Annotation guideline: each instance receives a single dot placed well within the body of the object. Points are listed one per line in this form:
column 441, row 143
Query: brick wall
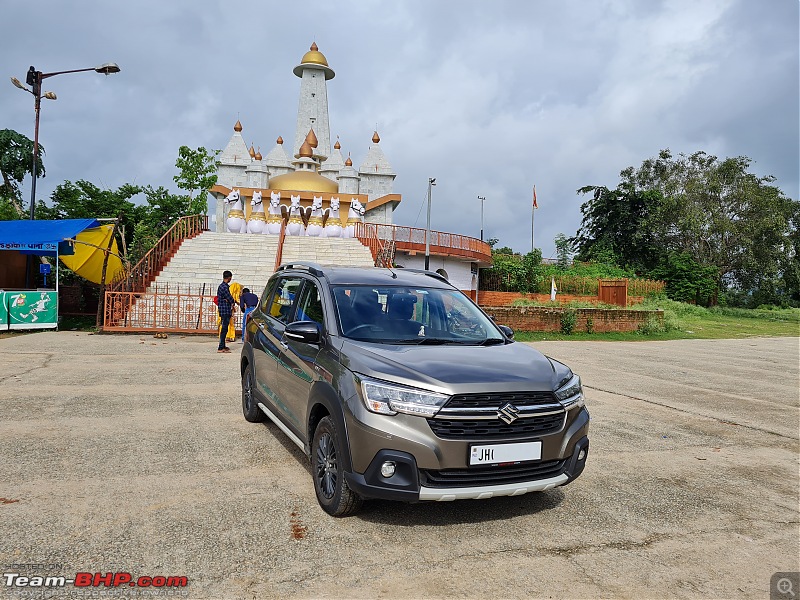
column 540, row 318
column 507, row 298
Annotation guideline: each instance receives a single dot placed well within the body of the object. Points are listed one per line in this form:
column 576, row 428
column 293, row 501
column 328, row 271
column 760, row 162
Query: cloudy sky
column 489, row 98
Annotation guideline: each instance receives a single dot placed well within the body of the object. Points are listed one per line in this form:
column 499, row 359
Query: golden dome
column 311, row 138
column 238, row 126
column 314, row 57
column 303, row 181
column 376, row 138
column 252, row 151
column 305, row 150
column 279, row 140
column 258, row 154
column 349, row 161
column 337, row 145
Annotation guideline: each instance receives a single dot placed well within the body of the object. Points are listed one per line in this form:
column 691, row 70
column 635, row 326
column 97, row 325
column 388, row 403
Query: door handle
column 284, row 345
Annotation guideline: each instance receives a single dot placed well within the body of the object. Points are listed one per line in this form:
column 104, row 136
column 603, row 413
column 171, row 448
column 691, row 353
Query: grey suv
column 398, row 386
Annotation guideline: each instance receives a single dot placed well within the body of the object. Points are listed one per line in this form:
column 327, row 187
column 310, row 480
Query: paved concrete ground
column 126, row 453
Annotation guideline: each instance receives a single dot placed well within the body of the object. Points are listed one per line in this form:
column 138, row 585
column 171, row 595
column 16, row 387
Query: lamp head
column 108, row 68
column 50, row 95
column 18, row 83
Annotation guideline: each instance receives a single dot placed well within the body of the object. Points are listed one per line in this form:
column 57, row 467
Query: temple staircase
column 251, row 258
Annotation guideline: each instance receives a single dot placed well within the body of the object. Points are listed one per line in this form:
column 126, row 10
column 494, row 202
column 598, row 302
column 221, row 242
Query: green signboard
column 3, row 310
column 32, row 309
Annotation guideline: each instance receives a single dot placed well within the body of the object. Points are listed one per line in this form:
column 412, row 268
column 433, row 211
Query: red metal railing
column 151, row 264
column 412, row 239
column 281, row 239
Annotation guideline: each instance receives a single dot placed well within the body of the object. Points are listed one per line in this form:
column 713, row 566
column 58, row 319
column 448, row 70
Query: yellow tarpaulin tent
column 89, row 253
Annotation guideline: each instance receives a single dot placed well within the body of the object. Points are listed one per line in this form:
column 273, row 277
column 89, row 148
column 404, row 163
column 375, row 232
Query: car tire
column 333, row 494
column 250, row 409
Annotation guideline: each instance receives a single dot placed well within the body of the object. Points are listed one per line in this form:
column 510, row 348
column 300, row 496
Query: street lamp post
column 431, row 183
column 481, row 198
column 34, row 79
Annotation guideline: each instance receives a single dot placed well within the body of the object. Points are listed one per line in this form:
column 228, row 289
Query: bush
column 651, row 326
column 568, row 320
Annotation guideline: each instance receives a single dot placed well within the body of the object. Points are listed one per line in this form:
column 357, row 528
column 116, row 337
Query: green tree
column 563, row 251
column 716, row 211
column 198, row 170
column 16, row 162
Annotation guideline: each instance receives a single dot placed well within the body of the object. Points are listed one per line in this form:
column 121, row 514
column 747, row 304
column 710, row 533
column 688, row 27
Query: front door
column 275, row 312
column 296, row 367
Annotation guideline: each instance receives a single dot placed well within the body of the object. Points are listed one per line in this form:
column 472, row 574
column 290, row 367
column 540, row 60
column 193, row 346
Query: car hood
column 457, row 369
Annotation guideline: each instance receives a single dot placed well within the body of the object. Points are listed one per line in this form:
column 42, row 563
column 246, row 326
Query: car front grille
column 483, row 476
column 518, row 399
column 482, row 429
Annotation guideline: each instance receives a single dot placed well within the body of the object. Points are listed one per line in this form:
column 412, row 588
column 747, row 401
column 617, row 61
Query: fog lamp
column 388, row 468
column 582, row 454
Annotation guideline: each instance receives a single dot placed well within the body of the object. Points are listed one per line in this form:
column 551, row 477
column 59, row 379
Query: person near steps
column 225, row 303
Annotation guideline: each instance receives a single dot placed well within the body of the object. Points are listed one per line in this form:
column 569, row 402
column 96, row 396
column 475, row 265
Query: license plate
column 500, row 453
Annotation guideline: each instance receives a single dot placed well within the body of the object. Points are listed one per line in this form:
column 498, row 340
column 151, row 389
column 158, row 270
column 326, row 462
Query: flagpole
column 533, row 215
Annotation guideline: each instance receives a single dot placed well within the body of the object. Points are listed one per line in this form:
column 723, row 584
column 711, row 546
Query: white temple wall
column 459, row 273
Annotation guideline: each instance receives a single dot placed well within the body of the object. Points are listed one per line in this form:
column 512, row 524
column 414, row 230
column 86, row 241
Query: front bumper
column 427, row 468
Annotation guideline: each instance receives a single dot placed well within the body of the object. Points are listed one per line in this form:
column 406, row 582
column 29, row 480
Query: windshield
column 411, row 315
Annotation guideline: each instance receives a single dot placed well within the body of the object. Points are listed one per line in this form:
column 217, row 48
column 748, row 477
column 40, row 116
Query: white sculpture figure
column 275, row 217
column 333, row 222
column 295, row 225
column 257, row 221
column 235, row 222
column 315, row 221
column 354, row 215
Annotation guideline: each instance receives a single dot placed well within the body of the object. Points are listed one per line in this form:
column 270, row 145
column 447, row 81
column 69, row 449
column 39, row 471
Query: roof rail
column 303, row 265
column 433, row 274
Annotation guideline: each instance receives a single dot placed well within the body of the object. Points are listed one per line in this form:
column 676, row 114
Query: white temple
column 313, row 167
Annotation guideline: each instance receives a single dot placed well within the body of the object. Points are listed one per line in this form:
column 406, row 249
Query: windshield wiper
column 421, row 341
column 492, row 341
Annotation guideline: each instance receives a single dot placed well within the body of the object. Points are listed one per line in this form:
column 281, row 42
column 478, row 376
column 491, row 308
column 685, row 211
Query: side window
column 282, row 301
column 267, row 295
column 309, row 306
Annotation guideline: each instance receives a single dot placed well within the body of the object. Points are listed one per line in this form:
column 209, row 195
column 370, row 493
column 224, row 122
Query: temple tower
column 312, row 111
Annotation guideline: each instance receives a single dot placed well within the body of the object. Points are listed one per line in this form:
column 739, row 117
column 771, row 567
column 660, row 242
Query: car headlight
column 389, row 399
column 570, row 395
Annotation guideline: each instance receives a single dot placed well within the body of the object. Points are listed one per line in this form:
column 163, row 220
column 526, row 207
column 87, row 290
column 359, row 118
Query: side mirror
column 507, row 331
column 308, row 332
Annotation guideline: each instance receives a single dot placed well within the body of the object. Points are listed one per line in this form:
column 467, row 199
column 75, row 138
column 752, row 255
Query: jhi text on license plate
column 499, row 453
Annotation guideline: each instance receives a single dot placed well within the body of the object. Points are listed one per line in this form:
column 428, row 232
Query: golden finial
column 348, row 162
column 305, row 150
column 258, row 153
column 238, row 127
column 314, row 47
column 252, row 151
column 279, row 140
column 311, row 138
column 337, row 145
column 376, row 138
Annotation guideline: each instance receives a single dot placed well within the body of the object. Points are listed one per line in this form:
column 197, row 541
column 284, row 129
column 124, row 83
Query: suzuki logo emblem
column 508, row 413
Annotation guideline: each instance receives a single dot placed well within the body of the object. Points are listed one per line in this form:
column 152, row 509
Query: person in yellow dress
column 236, row 292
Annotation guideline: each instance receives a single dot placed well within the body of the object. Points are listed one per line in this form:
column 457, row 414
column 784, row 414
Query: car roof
column 377, row 276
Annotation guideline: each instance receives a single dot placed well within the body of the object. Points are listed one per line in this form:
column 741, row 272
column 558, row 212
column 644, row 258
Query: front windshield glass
column 411, row 315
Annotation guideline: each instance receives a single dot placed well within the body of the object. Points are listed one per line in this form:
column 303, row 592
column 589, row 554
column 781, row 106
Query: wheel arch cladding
column 323, row 402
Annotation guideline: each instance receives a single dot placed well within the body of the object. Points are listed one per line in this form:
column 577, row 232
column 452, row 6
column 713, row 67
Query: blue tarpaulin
column 43, row 238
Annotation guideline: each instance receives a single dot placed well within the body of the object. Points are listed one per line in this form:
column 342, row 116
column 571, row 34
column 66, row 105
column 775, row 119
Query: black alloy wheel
column 250, row 409
column 334, row 495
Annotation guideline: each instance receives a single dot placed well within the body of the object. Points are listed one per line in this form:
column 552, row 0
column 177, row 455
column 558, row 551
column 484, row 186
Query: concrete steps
column 251, row 258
